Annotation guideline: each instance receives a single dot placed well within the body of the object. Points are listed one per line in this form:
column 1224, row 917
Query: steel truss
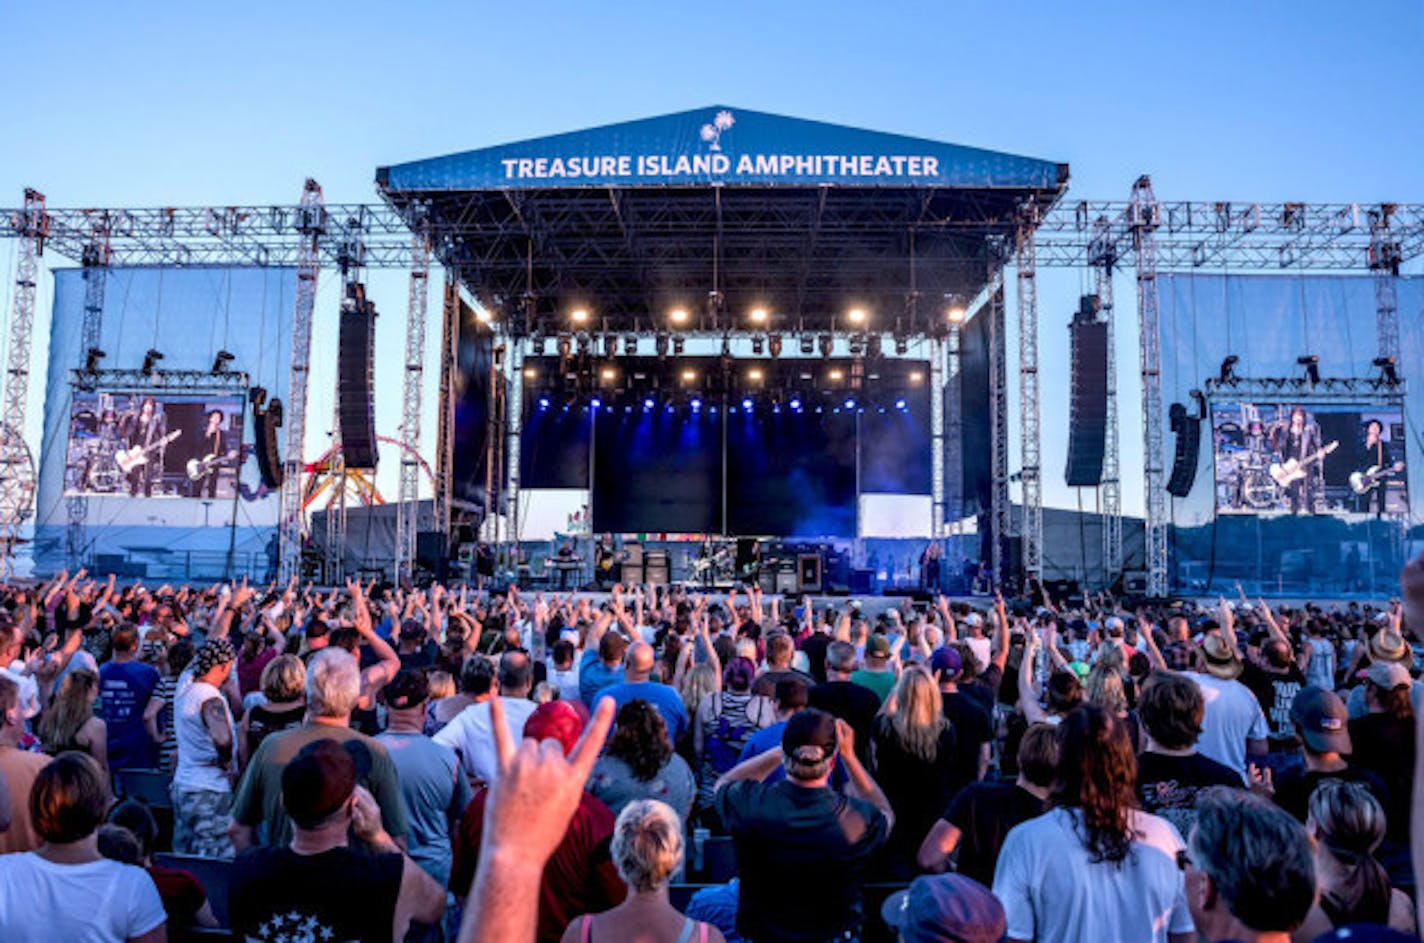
column 95, row 258
column 17, row 471
column 408, row 493
column 1104, row 260
column 1031, row 531
column 1001, row 524
column 309, row 221
column 1146, row 216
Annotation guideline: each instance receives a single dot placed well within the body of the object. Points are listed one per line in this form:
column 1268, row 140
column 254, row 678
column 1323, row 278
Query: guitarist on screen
column 1373, row 467
column 144, row 429
column 1299, row 439
column 216, row 453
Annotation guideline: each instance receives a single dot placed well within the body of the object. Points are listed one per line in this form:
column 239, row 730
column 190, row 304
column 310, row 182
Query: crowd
column 380, row 763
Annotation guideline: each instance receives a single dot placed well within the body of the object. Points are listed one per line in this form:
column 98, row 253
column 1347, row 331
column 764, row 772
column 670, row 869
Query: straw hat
column 1222, row 660
column 1388, row 645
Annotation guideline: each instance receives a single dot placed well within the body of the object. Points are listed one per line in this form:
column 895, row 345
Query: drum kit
column 1244, row 480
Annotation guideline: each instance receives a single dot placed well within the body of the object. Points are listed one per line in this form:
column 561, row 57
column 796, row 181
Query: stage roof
column 719, row 210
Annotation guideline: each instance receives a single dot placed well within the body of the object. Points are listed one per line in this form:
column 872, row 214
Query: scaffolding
column 17, row 469
column 1103, row 256
column 413, row 382
column 1031, row 530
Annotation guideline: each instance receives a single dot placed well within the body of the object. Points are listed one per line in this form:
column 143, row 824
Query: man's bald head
column 641, row 659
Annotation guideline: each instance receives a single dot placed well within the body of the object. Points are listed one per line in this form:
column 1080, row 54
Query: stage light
column 902, row 345
column 579, row 316
column 827, row 342
column 150, row 361
column 747, row 403
column 916, row 376
column 221, row 360
column 595, row 402
column 1389, row 376
column 773, row 343
column 678, row 316
column 679, row 344
column 630, row 345
column 1228, row 369
column 758, row 345
column 543, row 402
column 91, row 360
column 648, row 404
column 819, row 410
column 696, row 404
column 530, row 373
column 850, row 403
column 689, row 376
column 755, row 375
column 955, row 314
column 836, row 376
column 608, row 374
column 856, row 316
column 483, row 315
column 1311, row 363
column 808, row 345
column 795, row 404
column 901, row 405
column 757, row 316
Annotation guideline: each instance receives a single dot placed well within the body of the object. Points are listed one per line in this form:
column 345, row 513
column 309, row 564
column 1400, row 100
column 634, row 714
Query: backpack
column 724, row 744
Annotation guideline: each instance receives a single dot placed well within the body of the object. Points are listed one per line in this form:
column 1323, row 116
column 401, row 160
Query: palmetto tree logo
column 712, row 133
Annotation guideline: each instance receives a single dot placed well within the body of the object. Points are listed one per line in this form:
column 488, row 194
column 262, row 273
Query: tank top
column 689, row 927
column 198, row 769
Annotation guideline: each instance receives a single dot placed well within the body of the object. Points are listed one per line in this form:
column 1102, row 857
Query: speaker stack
column 1184, row 461
column 355, row 403
column 1088, row 397
column 266, row 420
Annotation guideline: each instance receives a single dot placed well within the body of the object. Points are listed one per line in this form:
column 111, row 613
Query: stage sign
column 163, row 445
column 1288, row 458
column 723, row 145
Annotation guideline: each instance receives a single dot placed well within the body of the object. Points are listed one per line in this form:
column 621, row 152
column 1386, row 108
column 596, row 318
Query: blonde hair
column 442, row 685
column 70, row 710
column 284, row 679
column 700, row 681
column 647, row 844
column 1105, row 688
column 916, row 713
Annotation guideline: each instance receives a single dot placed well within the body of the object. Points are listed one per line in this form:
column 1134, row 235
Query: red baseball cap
column 555, row 720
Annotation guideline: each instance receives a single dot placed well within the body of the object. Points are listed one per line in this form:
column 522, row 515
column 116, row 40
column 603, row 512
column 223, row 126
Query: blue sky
column 170, row 104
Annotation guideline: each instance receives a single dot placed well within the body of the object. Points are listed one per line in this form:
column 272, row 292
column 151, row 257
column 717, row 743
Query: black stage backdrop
column 791, row 474
column 657, row 471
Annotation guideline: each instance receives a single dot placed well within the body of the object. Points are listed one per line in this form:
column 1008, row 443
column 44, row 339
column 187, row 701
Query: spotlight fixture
column 543, row 402
column 755, row 375
column 150, row 361
column 1228, row 369
column 1311, row 363
column 608, row 374
column 902, row 345
column 856, row 344
column 696, row 404
column 850, row 403
column 678, row 316
column 648, row 404
column 758, row 345
column 758, row 316
column 773, row 344
column 689, row 376
column 530, row 373
column 679, row 344
column 836, row 375
column 483, row 315
column 901, row 405
column 795, row 404
column 630, row 345
column 827, row 343
column 954, row 310
column 1389, row 376
column 747, row 403
column 579, row 316
column 595, row 402
column 221, row 360
column 585, row 344
column 856, row 316
column 92, row 358
column 808, row 345
column 916, row 376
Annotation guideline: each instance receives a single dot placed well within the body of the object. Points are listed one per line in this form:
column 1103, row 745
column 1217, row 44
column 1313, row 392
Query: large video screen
column 1287, row 458
column 153, row 445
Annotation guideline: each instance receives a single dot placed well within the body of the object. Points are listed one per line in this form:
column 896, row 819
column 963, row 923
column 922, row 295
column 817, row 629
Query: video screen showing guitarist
column 217, row 456
column 1298, row 440
column 1374, row 466
column 144, row 430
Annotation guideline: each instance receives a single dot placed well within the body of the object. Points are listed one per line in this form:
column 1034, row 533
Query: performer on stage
column 215, row 456
column 930, row 566
column 1374, row 455
column 1299, row 439
column 144, row 429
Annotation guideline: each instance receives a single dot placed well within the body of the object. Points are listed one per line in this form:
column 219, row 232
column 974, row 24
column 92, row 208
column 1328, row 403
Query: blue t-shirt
column 435, row 794
column 662, row 696
column 594, row 676
column 769, row 737
column 124, row 691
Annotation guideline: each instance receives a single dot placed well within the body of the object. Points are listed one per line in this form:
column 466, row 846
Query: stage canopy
column 720, row 210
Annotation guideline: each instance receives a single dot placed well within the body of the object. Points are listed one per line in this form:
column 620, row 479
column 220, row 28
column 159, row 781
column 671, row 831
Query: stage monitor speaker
column 808, row 572
column 1087, row 403
column 266, row 420
column 656, row 568
column 1184, row 460
column 633, row 574
column 355, row 403
column 787, row 583
column 766, row 579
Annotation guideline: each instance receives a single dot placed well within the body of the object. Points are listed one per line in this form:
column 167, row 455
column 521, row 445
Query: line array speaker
column 1088, row 403
column 355, row 403
column 266, row 420
column 1184, row 459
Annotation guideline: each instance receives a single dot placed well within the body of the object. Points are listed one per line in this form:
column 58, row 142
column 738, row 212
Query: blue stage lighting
column 543, row 402
column 648, row 403
column 627, row 409
column 796, row 404
column 747, row 404
column 696, row 404
column 595, row 402
column 850, row 404
column 901, row 405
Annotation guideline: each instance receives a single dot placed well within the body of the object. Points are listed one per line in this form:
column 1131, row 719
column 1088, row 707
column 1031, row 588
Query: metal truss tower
column 937, row 432
column 1103, row 257
column 1384, row 259
column 351, row 260
column 1031, row 531
column 96, row 258
column 1000, row 509
column 310, row 222
column 408, row 493
column 17, row 478
column 445, row 423
column 1143, row 219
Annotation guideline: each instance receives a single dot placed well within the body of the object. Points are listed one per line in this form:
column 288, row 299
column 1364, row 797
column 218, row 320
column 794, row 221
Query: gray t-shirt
column 612, row 781
column 434, row 794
